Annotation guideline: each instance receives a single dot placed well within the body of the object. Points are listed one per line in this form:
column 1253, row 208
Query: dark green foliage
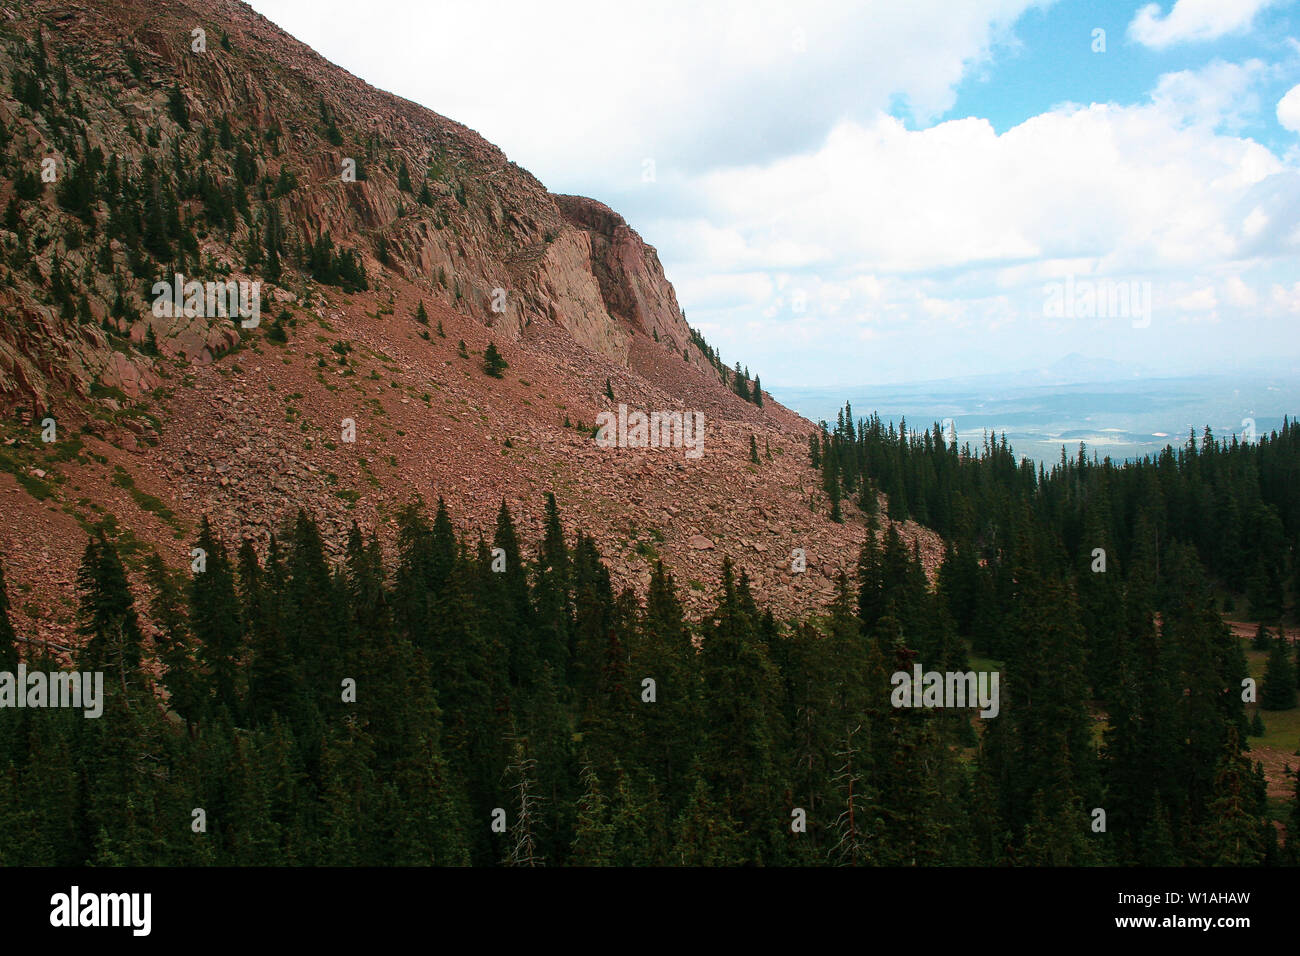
column 286, row 182
column 1263, row 639
column 493, row 363
column 28, row 186
column 336, row 267
column 1278, row 690
column 76, row 193
column 8, row 641
column 616, row 734
column 177, row 107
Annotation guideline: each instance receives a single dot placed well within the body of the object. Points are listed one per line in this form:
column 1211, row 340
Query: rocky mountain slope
column 135, row 147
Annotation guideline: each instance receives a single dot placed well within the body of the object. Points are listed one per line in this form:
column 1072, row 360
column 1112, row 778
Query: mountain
column 145, row 140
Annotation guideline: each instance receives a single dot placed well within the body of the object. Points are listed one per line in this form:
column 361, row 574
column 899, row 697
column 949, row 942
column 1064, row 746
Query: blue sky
column 1051, row 61
column 865, row 192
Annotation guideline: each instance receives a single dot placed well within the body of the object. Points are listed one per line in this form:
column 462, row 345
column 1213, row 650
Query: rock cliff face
column 230, row 163
column 632, row 281
column 486, row 238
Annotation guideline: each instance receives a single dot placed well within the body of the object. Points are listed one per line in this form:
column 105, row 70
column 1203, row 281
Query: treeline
column 1237, row 504
column 738, row 380
column 390, row 711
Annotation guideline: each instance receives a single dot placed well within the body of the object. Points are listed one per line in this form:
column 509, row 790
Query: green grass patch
column 145, row 501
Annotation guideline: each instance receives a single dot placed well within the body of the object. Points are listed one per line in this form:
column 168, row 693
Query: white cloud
column 780, row 171
column 947, row 235
column 1132, row 184
column 1288, row 109
column 581, row 92
column 1218, row 94
column 1238, row 293
column 1193, row 20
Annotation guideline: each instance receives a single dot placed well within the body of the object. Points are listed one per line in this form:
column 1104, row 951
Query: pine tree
column 593, row 839
column 173, row 641
column 107, row 617
column 1234, row 834
column 741, row 711
column 1293, row 825
column 753, row 449
column 1278, row 690
column 8, row 639
column 215, row 622
column 740, row 385
column 552, row 583
column 671, row 726
column 706, row 833
column 1263, row 640
column 422, row 316
column 177, row 107
column 510, row 601
column 493, row 363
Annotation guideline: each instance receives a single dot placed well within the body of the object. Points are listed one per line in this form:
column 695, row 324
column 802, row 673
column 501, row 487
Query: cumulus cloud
column 1218, row 94
column 581, row 92
column 1132, row 184
column 1193, row 20
column 1288, row 109
column 805, row 197
column 955, row 229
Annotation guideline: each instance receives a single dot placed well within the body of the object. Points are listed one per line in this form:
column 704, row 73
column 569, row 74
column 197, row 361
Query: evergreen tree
column 8, row 639
column 593, row 839
column 107, row 617
column 1263, row 640
column 493, row 363
column 741, row 711
column 177, row 107
column 1234, row 834
column 1278, row 690
column 215, row 622
column 706, row 834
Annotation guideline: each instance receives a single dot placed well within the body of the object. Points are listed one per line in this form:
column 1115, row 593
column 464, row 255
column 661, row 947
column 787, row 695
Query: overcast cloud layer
column 829, row 213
